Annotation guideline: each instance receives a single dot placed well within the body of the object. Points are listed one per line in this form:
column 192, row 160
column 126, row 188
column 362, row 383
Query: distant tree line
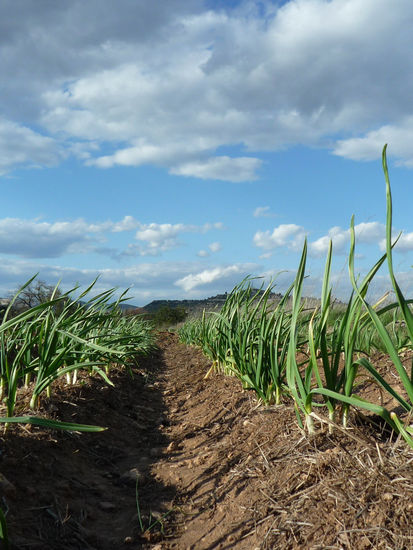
column 167, row 315
column 37, row 292
column 163, row 316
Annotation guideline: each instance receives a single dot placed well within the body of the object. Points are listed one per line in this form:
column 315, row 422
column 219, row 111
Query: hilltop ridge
column 213, row 302
column 193, row 306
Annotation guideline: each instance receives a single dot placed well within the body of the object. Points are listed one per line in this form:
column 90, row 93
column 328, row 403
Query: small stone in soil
column 155, row 451
column 133, row 475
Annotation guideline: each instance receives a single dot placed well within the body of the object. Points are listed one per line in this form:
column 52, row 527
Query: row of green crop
column 314, row 356
column 66, row 334
column 58, row 338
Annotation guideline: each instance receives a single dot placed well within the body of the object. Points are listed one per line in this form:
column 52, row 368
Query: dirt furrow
column 246, row 477
column 188, row 463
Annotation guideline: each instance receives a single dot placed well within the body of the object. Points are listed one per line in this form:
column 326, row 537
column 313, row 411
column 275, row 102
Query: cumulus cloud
column 287, row 235
column 173, row 86
column 404, row 242
column 158, row 238
column 224, row 275
column 21, row 146
column 366, row 233
column 41, row 239
column 291, row 236
column 370, row 146
column 161, row 237
column 36, row 239
column 129, row 223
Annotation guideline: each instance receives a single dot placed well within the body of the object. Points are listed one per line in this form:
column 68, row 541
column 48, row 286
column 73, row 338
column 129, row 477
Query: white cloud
column 404, row 244
column 365, row 233
column 158, row 238
column 147, row 281
column 263, row 212
column 220, row 168
column 139, row 154
column 285, row 235
column 266, row 255
column 222, row 274
column 208, row 226
column 369, row 232
column 37, row 239
column 41, row 239
column 129, row 223
column 370, row 146
column 152, row 280
column 291, row 236
column 215, row 247
column 161, row 237
column 21, row 146
column 172, row 86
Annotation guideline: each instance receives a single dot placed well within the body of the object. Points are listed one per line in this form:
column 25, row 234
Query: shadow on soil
column 90, row 491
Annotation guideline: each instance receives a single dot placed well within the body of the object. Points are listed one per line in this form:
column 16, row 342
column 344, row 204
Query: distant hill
column 128, row 307
column 195, row 307
column 214, row 303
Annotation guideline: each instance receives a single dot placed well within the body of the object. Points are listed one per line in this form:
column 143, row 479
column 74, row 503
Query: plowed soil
column 195, row 463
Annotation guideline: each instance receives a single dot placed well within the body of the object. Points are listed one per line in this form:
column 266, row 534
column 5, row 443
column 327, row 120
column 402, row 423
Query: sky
column 176, row 147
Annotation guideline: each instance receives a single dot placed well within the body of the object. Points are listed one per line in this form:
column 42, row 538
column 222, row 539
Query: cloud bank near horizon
column 30, row 246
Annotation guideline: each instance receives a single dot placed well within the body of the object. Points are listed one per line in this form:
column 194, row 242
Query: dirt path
column 189, row 463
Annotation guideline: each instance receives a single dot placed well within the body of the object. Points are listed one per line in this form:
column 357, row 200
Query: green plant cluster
column 46, row 334
column 168, row 316
column 314, row 357
column 45, row 342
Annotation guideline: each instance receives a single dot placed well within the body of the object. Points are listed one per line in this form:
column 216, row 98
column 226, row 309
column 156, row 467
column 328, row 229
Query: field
column 264, row 425
column 214, row 469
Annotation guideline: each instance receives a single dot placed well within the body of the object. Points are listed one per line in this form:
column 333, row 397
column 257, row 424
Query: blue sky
column 175, row 150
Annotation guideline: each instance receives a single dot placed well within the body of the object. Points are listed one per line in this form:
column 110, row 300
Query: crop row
column 315, row 356
column 57, row 338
